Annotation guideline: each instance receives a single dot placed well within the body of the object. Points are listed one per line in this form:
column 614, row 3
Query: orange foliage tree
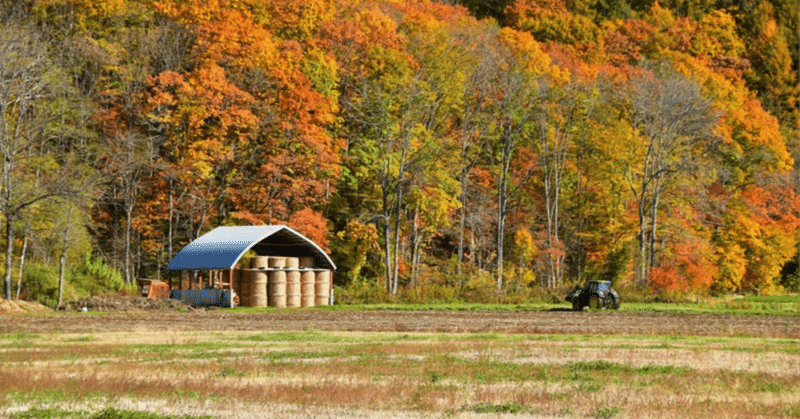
column 245, row 127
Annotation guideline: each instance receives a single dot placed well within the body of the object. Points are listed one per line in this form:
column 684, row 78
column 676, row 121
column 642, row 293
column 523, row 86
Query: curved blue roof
column 222, row 247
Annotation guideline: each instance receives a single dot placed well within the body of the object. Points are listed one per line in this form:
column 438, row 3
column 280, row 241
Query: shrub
column 93, row 277
column 40, row 284
column 430, row 293
column 361, row 292
column 96, row 277
column 480, row 288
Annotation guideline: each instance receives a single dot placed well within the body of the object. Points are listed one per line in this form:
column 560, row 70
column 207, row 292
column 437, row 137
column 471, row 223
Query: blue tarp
column 204, row 298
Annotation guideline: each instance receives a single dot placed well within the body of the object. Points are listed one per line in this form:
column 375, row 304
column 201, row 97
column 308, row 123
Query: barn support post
column 330, row 291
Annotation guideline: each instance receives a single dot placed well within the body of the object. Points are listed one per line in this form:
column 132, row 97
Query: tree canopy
column 468, row 148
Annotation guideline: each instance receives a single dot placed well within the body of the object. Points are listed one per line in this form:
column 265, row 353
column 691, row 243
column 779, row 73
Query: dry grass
column 352, row 374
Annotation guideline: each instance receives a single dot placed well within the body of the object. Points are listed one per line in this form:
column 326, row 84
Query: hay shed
column 285, row 269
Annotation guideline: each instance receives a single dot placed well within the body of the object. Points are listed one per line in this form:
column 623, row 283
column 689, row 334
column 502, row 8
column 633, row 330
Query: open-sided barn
column 255, row 266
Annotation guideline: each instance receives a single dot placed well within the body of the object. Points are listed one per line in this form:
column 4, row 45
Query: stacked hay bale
column 280, row 281
column 277, row 282
column 293, row 291
column 258, row 281
column 244, row 287
column 322, row 284
column 307, row 279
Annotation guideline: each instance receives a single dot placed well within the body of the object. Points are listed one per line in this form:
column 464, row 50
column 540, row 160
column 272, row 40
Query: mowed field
column 318, row 363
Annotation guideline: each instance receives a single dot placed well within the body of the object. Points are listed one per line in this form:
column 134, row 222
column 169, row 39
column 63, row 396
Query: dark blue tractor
column 594, row 294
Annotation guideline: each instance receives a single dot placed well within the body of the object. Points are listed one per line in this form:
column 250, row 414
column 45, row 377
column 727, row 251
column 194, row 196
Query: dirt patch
column 610, row 323
column 20, row 306
column 123, row 303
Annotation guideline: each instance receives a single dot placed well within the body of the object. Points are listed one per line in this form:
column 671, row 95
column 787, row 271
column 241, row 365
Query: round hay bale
column 236, row 281
column 306, row 262
column 307, row 279
column 277, row 289
column 292, row 263
column 322, row 284
column 277, row 262
column 293, row 289
column 245, row 286
column 259, row 262
column 258, row 289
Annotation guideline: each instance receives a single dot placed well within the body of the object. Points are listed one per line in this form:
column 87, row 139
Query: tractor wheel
column 595, row 303
column 615, row 303
column 610, row 302
column 576, row 305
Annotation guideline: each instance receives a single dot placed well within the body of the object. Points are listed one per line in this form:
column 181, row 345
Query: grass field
column 389, row 374
column 774, row 305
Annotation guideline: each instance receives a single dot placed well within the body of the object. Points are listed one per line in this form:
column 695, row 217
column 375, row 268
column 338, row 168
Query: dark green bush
column 93, row 277
column 40, row 283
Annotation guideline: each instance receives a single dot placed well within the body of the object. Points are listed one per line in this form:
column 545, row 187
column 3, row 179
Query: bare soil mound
column 123, row 303
column 20, row 306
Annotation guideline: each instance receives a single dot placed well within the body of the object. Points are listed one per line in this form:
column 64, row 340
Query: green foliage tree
column 40, row 118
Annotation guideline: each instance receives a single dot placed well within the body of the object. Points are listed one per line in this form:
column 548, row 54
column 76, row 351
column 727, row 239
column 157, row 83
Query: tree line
column 443, row 150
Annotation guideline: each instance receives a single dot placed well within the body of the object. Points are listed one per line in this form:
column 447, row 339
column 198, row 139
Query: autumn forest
column 439, row 150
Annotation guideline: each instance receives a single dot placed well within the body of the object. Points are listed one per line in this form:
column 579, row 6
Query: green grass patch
column 159, row 348
column 773, row 298
column 293, row 355
column 507, row 407
column 606, row 412
column 302, row 336
column 88, row 338
column 49, row 413
column 19, row 336
column 733, row 307
column 752, row 305
column 616, row 368
column 108, row 413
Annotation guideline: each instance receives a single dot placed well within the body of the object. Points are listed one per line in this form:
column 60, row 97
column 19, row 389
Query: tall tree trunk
column 501, row 219
column 653, row 226
column 461, row 227
column 62, row 262
column 169, row 224
column 549, row 225
column 128, row 227
column 387, row 258
column 22, row 264
column 466, row 137
column 9, row 257
column 642, row 262
column 387, row 234
column 415, row 246
column 397, row 253
column 7, row 212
